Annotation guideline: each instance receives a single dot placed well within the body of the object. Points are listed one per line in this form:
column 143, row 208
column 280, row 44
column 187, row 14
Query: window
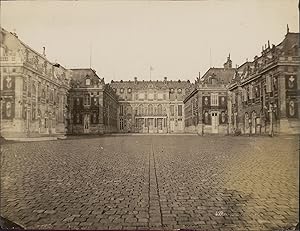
column 121, row 124
column 122, row 90
column 88, row 82
column 159, row 96
column 269, row 83
column 179, row 90
column 172, row 110
column 150, row 96
column 95, row 118
column 214, row 99
column 150, row 109
column 87, row 99
column 77, row 118
column 51, row 95
column 179, row 110
column 121, row 110
column 159, row 109
column 141, row 96
column 95, row 101
column 129, row 90
column 33, row 89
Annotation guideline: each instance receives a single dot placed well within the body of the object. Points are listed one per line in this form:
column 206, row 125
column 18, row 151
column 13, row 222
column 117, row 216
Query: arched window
column 33, row 89
column 140, row 109
column 246, row 120
column 150, row 109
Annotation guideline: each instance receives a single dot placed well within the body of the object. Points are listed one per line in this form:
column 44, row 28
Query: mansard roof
column 222, row 75
column 152, row 84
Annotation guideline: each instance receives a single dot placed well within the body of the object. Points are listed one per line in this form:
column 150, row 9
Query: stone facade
column 151, row 106
column 205, row 108
column 41, row 98
column 264, row 93
column 33, row 91
column 92, row 104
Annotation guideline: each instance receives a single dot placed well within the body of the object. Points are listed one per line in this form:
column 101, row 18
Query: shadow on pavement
column 7, row 224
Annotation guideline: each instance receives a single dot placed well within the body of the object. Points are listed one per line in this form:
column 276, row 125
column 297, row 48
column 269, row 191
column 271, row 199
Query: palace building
column 33, row 91
column 151, row 106
column 93, row 104
column 41, row 98
column 264, row 93
column 205, row 108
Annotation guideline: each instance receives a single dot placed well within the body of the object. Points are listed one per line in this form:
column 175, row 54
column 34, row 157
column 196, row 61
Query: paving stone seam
column 156, row 181
column 149, row 185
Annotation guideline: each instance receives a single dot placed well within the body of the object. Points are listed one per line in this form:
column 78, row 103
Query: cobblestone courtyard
column 156, row 182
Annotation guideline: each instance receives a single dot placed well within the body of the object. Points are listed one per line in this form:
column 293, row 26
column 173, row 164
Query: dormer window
column 87, row 82
column 129, row 90
column 179, row 90
column 122, row 90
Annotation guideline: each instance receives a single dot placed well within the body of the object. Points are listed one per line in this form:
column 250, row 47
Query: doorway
column 86, row 123
column 214, row 122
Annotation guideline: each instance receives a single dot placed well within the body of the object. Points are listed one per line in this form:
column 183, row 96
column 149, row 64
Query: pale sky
column 126, row 37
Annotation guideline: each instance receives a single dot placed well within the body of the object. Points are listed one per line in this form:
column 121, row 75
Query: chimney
column 199, row 75
column 135, row 79
column 44, row 51
column 165, row 79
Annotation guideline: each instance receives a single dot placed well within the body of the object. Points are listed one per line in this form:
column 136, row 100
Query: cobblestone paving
column 152, row 182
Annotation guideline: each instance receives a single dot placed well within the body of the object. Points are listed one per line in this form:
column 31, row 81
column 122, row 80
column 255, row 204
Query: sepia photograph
column 149, row 115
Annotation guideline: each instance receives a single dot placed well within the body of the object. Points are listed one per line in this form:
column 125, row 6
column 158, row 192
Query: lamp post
column 250, row 126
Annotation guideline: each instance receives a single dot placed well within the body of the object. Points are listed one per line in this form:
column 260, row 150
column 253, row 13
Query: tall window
column 150, row 109
column 87, row 99
column 179, row 110
column 172, row 110
column 87, row 82
column 121, row 124
column 159, row 109
column 214, row 99
column 269, row 83
column 121, row 110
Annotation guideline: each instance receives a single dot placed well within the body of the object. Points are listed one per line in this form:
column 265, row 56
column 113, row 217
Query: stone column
column 200, row 126
column 283, row 121
column 240, row 112
column 229, row 111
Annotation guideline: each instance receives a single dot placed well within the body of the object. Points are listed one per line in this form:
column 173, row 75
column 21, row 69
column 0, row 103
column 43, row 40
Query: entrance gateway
column 151, row 124
column 86, row 123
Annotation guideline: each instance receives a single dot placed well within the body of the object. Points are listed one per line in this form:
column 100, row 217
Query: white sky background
column 174, row 37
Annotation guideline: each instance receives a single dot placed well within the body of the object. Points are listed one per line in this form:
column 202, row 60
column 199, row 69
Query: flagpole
column 90, row 54
column 150, row 73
